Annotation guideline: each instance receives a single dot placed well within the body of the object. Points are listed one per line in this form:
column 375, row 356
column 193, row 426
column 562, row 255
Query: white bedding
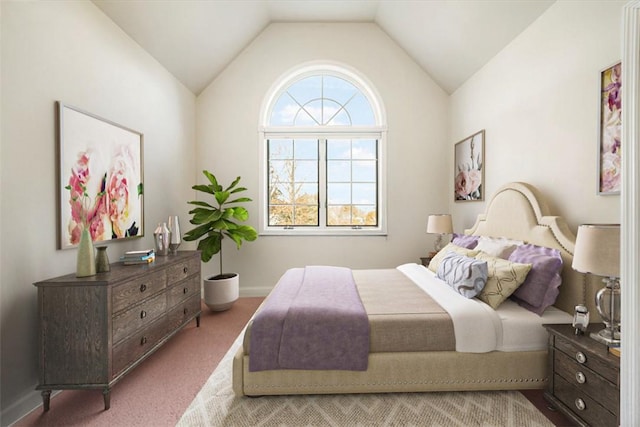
column 479, row 328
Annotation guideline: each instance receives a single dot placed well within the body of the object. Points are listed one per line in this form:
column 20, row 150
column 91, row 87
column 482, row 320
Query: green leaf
column 204, row 188
column 197, row 232
column 233, row 184
column 240, row 213
column 239, row 189
column 140, row 189
column 210, row 246
column 240, row 200
column 199, row 203
column 221, row 197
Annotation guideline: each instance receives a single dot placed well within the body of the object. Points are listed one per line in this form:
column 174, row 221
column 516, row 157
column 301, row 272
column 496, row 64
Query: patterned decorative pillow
column 504, row 278
column 497, row 246
column 467, row 276
column 435, row 261
column 465, row 240
column 541, row 287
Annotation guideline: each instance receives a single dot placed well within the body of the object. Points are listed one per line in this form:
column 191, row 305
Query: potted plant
column 213, row 223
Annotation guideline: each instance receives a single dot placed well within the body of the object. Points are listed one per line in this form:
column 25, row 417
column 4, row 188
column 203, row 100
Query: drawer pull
column 580, row 378
column 143, row 340
column 143, row 314
column 580, row 405
column 185, row 290
column 184, row 270
column 143, row 287
column 580, row 357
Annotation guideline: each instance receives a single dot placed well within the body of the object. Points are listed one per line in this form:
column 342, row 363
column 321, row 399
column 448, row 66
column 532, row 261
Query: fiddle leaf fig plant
column 216, row 221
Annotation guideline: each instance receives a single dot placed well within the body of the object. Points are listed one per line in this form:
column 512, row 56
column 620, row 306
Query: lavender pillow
column 464, row 240
column 541, row 287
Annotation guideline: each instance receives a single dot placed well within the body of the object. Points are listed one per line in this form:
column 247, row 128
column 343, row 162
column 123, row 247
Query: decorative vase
column 174, row 237
column 86, row 262
column 102, row 260
column 161, row 238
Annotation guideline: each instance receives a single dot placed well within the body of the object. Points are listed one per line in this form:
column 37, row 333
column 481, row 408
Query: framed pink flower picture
column 468, row 181
column 610, row 137
column 101, row 179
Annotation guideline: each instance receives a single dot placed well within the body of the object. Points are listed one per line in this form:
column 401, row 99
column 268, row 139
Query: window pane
column 306, row 171
column 364, row 170
column 306, row 215
column 284, row 111
column 306, row 149
column 306, row 194
column 310, row 114
column 364, row 215
column 306, row 89
column 340, row 119
column 339, row 194
column 364, row 149
column 364, row 194
column 338, row 149
column 339, row 171
column 339, row 215
column 281, row 194
column 338, row 89
column 360, row 111
column 280, row 148
column 280, row 215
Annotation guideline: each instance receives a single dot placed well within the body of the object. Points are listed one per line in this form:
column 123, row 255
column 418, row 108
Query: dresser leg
column 46, row 398
column 198, row 321
column 106, row 394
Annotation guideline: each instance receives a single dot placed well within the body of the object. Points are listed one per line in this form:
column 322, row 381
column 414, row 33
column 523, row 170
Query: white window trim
column 379, row 131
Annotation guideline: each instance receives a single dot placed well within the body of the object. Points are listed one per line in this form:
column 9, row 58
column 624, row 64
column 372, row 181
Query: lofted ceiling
column 449, row 39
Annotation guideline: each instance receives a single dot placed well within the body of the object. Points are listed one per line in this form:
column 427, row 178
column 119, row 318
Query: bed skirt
column 402, row 372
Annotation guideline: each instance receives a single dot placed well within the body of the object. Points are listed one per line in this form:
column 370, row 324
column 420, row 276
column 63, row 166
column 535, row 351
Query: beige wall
column 70, row 51
column 227, row 133
column 538, row 102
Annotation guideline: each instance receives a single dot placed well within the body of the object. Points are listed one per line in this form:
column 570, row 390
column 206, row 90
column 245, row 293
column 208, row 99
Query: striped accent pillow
column 465, row 275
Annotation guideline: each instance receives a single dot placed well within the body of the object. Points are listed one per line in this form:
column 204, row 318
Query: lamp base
column 607, row 336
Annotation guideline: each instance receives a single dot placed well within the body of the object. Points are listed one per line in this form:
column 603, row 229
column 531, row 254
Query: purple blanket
column 313, row 319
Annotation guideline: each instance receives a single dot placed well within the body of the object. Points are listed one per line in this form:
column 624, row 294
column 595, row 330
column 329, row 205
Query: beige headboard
column 518, row 211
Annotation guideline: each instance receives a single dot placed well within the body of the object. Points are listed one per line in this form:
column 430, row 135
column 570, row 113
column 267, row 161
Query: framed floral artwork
column 100, row 178
column 610, row 135
column 469, row 168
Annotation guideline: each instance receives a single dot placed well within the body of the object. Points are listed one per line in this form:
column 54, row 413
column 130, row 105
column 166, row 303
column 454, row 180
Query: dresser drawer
column 607, row 370
column 182, row 270
column 134, row 347
column 183, row 290
column 131, row 292
column 184, row 311
column 587, row 381
column 582, row 405
column 139, row 316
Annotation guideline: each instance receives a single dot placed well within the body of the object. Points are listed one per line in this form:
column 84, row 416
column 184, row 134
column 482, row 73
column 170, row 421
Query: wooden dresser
column 94, row 330
column 584, row 378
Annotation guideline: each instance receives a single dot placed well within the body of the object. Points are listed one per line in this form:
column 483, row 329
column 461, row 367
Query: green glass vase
column 86, row 262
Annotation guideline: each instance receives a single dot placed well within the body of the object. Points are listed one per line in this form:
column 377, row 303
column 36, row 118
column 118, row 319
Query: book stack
column 138, row 257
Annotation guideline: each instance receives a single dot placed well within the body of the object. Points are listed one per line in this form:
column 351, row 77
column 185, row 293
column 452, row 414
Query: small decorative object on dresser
column 584, row 378
column 102, row 260
column 93, row 331
column 174, row 238
column 161, row 238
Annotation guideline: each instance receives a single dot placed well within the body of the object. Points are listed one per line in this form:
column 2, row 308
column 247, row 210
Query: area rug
column 217, row 405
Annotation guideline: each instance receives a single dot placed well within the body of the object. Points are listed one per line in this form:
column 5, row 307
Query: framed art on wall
column 100, row 178
column 469, row 168
column 610, row 130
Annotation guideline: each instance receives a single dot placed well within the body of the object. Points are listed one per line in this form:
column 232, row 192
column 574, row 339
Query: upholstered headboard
column 518, row 211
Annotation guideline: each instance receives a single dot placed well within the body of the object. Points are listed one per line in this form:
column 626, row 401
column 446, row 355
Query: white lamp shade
column 597, row 250
column 439, row 224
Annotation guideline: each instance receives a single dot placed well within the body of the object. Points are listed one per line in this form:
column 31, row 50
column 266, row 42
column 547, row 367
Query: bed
column 403, row 358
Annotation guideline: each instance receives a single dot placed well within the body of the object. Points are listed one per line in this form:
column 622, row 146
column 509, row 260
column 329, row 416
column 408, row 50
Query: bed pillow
column 541, row 287
column 503, row 279
column 465, row 240
column 435, row 261
column 467, row 276
column 497, row 246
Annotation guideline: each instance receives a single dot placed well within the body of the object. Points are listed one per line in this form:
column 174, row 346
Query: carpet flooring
column 161, row 389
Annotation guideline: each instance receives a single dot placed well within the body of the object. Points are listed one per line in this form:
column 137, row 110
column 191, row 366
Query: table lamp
column 439, row 224
column 597, row 251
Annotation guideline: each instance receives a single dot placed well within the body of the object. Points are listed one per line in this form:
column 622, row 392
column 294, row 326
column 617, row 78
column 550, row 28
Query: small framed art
column 100, row 178
column 610, row 131
column 469, row 168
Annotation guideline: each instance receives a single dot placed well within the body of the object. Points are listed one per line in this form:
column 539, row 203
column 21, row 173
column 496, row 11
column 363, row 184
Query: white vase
column 221, row 293
column 86, row 261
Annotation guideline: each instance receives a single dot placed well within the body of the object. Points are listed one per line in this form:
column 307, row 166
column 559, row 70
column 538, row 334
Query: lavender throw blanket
column 313, row 319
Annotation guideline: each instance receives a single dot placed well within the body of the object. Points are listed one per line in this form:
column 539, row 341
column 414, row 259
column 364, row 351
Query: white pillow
column 497, row 246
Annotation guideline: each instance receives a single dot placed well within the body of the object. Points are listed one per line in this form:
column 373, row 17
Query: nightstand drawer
column 582, row 405
column 583, row 357
column 587, row 381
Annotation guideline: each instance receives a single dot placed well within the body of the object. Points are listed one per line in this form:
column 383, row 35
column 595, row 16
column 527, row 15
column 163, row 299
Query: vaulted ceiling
column 196, row 39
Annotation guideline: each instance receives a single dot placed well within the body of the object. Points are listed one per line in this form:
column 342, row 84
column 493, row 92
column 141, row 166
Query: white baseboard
column 254, row 291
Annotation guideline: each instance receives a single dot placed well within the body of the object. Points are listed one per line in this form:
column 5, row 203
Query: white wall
column 227, row 134
column 538, row 100
column 70, row 51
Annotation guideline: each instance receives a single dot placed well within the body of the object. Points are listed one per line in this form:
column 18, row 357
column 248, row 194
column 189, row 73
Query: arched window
column 322, row 152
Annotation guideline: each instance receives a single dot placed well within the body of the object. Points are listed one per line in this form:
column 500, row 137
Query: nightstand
column 427, row 259
column 584, row 378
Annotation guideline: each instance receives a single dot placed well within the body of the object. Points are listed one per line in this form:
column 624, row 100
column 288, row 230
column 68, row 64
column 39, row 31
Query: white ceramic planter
column 221, row 293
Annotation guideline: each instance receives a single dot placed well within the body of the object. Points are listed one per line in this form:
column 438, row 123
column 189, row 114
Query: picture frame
column 468, row 180
column 101, row 185
column 610, row 131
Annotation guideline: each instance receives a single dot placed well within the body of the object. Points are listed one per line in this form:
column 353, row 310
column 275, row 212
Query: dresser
column 584, row 378
column 94, row 330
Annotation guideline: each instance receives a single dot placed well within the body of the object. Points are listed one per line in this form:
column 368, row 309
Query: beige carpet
column 217, row 405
